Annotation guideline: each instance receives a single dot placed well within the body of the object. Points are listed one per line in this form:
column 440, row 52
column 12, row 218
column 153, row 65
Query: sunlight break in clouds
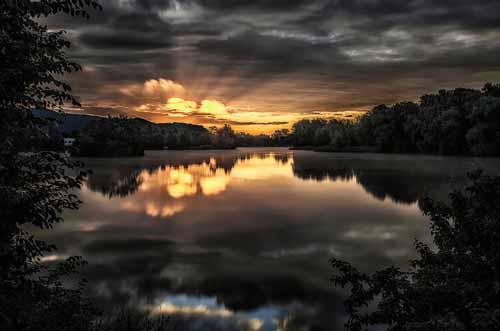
column 213, row 107
column 164, row 100
column 288, row 57
column 181, row 105
column 163, row 96
column 207, row 107
column 154, row 88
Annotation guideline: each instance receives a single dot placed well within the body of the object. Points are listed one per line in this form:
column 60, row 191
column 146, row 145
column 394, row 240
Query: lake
column 240, row 239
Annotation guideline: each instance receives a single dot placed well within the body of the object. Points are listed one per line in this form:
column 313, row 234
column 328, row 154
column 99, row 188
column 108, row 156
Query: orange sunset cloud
column 164, row 100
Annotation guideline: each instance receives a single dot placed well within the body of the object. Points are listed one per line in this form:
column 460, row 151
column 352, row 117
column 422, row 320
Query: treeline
column 122, row 136
column 456, row 122
column 278, row 138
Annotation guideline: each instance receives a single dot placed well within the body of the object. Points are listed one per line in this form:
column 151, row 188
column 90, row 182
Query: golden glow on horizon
column 181, row 105
column 163, row 101
column 216, row 113
column 211, row 112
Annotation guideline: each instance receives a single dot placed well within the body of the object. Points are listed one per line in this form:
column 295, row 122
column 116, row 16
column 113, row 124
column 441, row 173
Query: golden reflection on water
column 208, row 223
column 184, row 181
column 167, row 190
column 207, row 179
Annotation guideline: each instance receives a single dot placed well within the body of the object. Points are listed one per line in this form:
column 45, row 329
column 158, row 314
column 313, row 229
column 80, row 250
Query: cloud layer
column 280, row 56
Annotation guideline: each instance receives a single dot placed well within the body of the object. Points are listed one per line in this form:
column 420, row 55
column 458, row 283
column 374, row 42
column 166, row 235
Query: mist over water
column 240, row 240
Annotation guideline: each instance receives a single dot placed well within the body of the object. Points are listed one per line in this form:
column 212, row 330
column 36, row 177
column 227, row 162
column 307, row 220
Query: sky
column 261, row 65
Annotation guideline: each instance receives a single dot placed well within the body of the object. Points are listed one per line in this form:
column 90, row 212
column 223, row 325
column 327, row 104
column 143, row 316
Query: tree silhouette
column 457, row 122
column 35, row 186
column 452, row 287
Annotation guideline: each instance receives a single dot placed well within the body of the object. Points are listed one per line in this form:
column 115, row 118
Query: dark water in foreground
column 240, row 240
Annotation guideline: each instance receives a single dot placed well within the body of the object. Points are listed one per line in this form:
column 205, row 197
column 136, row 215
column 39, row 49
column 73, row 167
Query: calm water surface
column 240, row 240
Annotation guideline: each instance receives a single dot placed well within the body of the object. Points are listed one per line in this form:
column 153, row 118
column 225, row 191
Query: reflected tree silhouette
column 382, row 179
column 122, row 187
column 123, row 181
column 223, row 255
column 406, row 186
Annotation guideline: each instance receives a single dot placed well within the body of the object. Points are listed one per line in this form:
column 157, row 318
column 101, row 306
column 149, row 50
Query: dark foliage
column 32, row 57
column 110, row 137
column 35, row 185
column 223, row 138
column 458, row 122
column 453, row 287
column 122, row 136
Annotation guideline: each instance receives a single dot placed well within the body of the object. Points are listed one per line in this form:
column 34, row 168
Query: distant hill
column 68, row 122
column 119, row 136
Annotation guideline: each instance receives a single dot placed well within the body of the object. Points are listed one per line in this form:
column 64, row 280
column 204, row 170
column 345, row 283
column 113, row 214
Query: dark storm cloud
column 144, row 23
column 274, row 53
column 409, row 47
column 224, row 4
column 239, row 4
column 130, row 41
column 478, row 14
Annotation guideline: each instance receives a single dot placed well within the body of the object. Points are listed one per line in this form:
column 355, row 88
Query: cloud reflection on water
column 237, row 232
column 162, row 192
